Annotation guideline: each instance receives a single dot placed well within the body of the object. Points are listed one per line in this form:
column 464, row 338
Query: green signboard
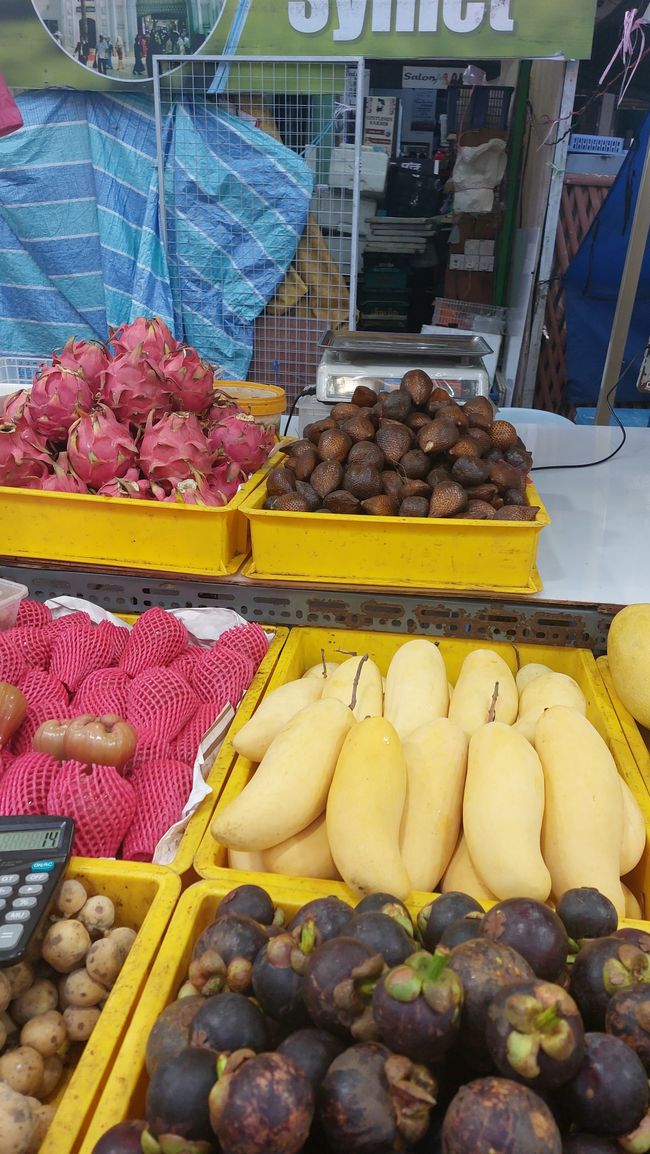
column 108, row 44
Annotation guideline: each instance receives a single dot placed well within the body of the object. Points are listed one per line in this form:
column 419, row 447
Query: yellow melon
column 628, row 652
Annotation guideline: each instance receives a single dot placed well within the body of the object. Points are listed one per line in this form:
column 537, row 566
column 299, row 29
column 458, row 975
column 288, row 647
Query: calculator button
column 44, row 866
column 30, row 890
column 24, row 903
column 6, row 891
column 8, row 879
column 2, row 903
column 17, row 916
column 10, row 935
column 33, row 879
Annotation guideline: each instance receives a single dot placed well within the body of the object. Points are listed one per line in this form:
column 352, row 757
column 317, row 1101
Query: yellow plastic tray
column 638, row 737
column 303, row 649
column 144, row 897
column 91, row 530
column 409, row 552
column 125, row 1091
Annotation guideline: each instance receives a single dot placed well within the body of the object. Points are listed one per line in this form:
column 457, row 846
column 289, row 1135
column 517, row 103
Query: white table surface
column 597, row 547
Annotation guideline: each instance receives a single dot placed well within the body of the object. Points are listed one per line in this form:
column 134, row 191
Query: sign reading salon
column 109, row 44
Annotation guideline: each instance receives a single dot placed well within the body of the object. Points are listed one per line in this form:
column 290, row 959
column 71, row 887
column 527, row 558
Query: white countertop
column 597, row 547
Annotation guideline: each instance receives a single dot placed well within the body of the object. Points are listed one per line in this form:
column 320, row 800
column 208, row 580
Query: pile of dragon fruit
column 136, row 417
column 154, row 676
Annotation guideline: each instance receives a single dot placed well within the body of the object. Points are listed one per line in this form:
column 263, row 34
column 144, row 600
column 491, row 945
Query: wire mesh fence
column 259, row 164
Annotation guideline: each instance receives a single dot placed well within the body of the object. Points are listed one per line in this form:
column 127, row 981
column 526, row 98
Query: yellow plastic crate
column 409, row 552
column 125, row 1091
column 638, row 737
column 303, row 649
column 144, row 897
column 90, row 530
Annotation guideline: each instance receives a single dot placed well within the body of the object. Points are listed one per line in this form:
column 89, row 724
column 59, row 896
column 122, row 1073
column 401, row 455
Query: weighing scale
column 34, row 853
column 380, row 360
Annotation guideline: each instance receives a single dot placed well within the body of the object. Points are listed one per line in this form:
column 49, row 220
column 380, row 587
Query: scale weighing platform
column 380, row 360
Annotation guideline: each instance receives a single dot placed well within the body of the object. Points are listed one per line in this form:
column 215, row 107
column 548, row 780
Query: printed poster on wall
column 108, row 44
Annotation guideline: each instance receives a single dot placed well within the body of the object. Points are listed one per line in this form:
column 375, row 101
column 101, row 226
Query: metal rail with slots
column 433, row 614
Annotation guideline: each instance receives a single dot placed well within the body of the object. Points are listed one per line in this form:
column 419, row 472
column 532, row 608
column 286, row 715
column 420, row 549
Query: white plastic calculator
column 34, row 853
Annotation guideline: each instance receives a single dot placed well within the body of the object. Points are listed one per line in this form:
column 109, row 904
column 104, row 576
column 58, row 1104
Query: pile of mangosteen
column 409, row 452
column 523, row 1030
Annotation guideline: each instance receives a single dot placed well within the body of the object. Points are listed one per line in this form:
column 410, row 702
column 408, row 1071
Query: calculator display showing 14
column 26, row 839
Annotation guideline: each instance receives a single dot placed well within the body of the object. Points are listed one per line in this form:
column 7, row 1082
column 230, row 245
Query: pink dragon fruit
column 59, row 395
column 189, row 378
column 200, row 490
column 88, row 357
column 131, row 485
column 174, row 448
column 100, row 448
column 239, row 438
column 134, row 388
column 24, row 459
column 16, row 408
column 150, row 332
column 63, row 479
column 225, row 480
column 219, row 406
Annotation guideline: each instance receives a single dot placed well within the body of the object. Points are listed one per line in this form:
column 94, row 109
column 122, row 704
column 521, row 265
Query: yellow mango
column 417, row 690
column 307, row 854
column 528, row 672
column 483, row 676
column 632, row 905
column 541, row 693
column 289, row 788
column 272, row 714
column 369, row 693
column 364, row 810
column 461, row 876
column 628, row 653
column 634, row 835
column 436, row 763
column 250, row 862
column 503, row 810
column 582, row 830
column 318, row 671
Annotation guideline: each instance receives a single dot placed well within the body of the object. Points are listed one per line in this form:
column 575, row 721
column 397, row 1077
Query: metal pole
column 629, row 283
column 160, row 156
column 558, row 164
column 356, row 195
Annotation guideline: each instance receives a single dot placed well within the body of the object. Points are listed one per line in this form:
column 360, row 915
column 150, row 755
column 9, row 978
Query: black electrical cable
column 305, row 393
column 590, row 464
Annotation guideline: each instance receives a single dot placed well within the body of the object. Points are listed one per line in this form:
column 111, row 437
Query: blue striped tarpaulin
column 80, row 245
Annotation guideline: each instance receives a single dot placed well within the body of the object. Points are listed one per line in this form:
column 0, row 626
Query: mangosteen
column 224, row 954
column 493, row 1114
column 177, row 1096
column 628, row 1017
column 601, row 968
column 124, row 1138
column 484, row 967
column 434, row 918
column 328, row 914
column 374, row 1101
column 636, row 937
column 587, row 913
column 533, row 930
column 313, row 1051
column 384, row 934
column 460, row 931
column 609, row 1094
column 229, row 1022
column 170, row 1032
column 416, row 1007
column 277, row 975
column 337, row 986
column 535, row 1034
column 390, row 905
column 261, row 1103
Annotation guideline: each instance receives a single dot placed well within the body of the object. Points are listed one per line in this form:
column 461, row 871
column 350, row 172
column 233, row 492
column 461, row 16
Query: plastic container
column 144, row 897
column 11, row 594
column 84, row 529
column 125, row 1091
column 303, row 649
column 637, row 736
column 404, row 552
column 477, row 106
column 17, row 372
column 266, row 403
